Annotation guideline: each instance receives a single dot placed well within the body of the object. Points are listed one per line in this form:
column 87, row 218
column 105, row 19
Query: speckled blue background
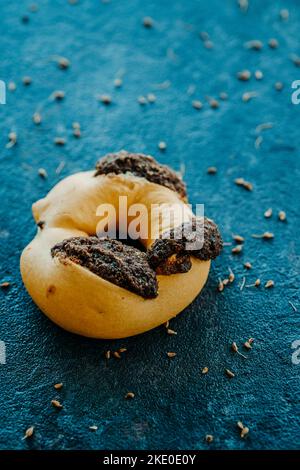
column 175, row 405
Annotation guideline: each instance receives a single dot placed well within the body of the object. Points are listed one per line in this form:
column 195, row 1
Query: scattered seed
column 278, row 86
column 234, row 347
column 231, row 276
column 225, row 282
column 258, row 75
column 42, row 173
column 248, row 265
column 117, row 355
column 247, row 345
column 63, row 63
column 255, row 45
column 151, row 98
column 212, row 170
column 282, row 216
column 284, row 14
column 129, row 395
column 93, row 428
column 37, row 118
column 197, row 104
column 58, row 95
column 122, row 350
column 4, row 285
column 269, row 284
column 229, row 373
column 214, row 104
column 12, row 86
column 273, row 43
column 209, row 438
column 248, row 96
column 204, row 370
column 60, row 168
column 268, row 213
column 237, row 249
column 244, row 432
column 77, row 133
column 238, row 238
column 29, row 432
column 264, row 126
column 58, row 386
column 244, row 184
column 59, row 141
column 105, row 99
column 107, row 354
column 223, row 96
column 142, row 100
column 171, row 354
column 244, row 75
column 296, row 60
column 257, row 283
column 258, row 142
column 220, row 286
column 240, row 425
column 118, row 82
column 265, row 235
column 56, row 404
column 171, row 332
column 147, row 22
column 12, row 140
column 26, row 80
column 162, row 145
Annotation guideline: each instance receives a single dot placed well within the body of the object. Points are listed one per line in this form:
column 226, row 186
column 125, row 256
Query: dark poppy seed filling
column 171, row 252
column 141, row 165
column 112, row 260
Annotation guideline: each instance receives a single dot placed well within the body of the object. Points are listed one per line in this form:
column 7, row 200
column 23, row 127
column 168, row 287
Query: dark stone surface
column 174, row 405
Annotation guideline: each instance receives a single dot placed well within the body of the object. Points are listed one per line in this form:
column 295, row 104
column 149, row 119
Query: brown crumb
column 244, row 75
column 204, row 370
column 56, row 404
column 129, row 395
column 29, row 432
column 257, row 283
column 117, row 355
column 209, row 438
column 229, row 373
column 265, row 235
column 244, row 432
column 247, row 345
column 243, row 183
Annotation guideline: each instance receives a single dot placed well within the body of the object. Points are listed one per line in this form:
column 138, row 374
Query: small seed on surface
column 129, row 395
column 244, row 432
column 244, row 75
column 148, row 22
column 56, row 404
column 105, row 99
column 213, row 103
column 171, row 354
column 269, row 284
column 220, row 286
column 258, row 75
column 212, row 170
column 58, row 386
column 59, row 141
column 122, row 350
column 257, row 283
column 225, row 282
column 278, row 86
column 151, row 98
column 234, row 347
column 229, row 373
column 11, row 86
column 93, row 428
column 248, row 95
column 42, row 173
column 248, row 265
column 231, row 276
column 197, row 104
column 162, row 145
column 268, row 213
column 247, row 345
column 4, row 285
column 265, row 235
column 282, row 216
column 273, row 43
column 12, row 140
column 26, row 80
column 37, row 118
column 58, row 95
column 240, row 425
column 238, row 238
column 118, row 82
column 142, row 100
column 204, row 370
column 171, row 332
column 245, row 184
column 209, row 438
column 117, row 355
column 255, row 45
column 29, row 432
column 237, row 249
column 63, row 63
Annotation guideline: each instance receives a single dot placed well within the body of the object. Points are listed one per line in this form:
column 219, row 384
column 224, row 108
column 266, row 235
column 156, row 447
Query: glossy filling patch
column 143, row 166
column 112, row 260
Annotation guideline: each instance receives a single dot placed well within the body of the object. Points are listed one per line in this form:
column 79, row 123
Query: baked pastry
column 101, row 286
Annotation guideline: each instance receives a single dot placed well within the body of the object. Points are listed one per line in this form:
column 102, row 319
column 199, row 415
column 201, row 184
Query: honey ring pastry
column 101, row 286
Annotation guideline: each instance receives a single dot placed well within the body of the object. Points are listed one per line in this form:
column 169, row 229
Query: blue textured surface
column 175, row 405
